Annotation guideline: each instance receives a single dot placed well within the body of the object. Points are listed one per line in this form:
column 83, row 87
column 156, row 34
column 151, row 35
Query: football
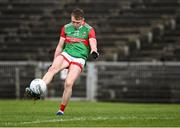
column 38, row 86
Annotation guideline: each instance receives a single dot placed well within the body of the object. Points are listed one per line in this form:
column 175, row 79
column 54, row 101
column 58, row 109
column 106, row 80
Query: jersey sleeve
column 63, row 34
column 92, row 33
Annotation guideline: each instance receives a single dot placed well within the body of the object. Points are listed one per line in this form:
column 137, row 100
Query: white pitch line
column 65, row 120
column 87, row 118
column 61, row 120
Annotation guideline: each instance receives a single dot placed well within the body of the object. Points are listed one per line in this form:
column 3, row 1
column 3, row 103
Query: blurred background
column 138, row 42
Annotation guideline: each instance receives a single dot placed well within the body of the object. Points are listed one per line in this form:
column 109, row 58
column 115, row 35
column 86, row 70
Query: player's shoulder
column 87, row 26
column 68, row 25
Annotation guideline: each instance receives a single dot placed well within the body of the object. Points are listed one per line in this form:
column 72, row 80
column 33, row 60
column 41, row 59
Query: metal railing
column 101, row 81
column 138, row 81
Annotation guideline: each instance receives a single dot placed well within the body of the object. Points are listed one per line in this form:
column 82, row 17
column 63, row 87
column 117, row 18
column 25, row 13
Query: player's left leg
column 75, row 70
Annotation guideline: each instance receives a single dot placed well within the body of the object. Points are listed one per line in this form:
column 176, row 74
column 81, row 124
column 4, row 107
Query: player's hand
column 95, row 54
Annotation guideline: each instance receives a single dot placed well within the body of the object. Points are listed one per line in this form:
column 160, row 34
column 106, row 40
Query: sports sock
column 62, row 107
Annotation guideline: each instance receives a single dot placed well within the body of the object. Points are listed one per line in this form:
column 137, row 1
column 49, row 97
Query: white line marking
column 88, row 118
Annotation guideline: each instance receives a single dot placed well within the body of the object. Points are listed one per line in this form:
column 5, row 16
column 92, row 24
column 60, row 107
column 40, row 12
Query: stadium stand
column 27, row 29
column 30, row 30
column 159, row 49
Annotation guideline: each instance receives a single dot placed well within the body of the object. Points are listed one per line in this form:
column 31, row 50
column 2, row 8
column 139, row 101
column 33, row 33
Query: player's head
column 77, row 17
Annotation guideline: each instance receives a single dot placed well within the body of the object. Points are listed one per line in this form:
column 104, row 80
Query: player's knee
column 68, row 83
column 53, row 69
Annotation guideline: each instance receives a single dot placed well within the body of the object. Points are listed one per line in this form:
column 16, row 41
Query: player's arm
column 93, row 44
column 60, row 45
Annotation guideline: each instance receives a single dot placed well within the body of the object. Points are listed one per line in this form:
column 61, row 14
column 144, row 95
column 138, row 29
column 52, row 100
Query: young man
column 77, row 41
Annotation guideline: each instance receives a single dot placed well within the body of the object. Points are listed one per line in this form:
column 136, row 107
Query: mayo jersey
column 77, row 40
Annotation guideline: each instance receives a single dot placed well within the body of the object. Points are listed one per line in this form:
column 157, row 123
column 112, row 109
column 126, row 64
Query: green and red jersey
column 77, row 40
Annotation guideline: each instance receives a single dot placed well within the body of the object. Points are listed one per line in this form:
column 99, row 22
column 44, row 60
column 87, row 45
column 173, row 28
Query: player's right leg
column 58, row 64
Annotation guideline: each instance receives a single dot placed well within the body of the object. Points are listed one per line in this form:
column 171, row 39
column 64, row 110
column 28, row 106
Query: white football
column 38, row 86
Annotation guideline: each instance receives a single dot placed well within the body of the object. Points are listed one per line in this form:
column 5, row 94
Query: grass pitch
column 22, row 113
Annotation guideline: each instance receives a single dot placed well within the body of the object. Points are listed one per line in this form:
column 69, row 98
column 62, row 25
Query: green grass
column 25, row 113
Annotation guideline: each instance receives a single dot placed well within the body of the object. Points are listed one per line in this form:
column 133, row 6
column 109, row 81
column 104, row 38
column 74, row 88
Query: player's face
column 76, row 23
